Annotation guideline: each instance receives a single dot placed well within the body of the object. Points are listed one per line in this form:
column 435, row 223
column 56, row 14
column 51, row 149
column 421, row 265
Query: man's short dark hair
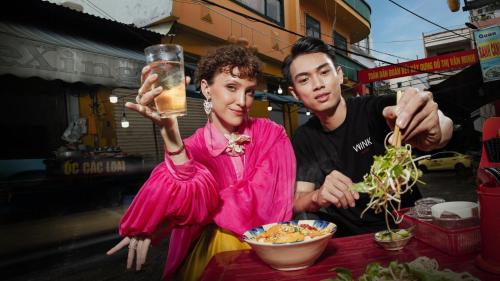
column 305, row 45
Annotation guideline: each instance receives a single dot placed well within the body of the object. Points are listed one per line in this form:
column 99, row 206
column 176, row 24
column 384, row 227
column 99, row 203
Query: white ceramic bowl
column 457, row 214
column 293, row 255
column 461, row 209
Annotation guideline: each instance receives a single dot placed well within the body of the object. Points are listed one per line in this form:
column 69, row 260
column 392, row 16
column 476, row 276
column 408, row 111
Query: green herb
column 390, row 176
column 392, row 235
column 343, row 274
column 420, row 269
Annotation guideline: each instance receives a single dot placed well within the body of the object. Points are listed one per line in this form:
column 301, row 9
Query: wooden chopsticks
column 396, row 136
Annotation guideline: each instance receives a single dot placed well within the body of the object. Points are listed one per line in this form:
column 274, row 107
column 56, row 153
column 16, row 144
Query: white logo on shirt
column 362, row 145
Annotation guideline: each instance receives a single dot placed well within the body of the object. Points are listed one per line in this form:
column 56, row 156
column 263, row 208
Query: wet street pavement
column 450, row 185
column 86, row 260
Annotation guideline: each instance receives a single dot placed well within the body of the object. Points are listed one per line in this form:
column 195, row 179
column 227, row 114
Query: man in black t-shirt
column 336, row 147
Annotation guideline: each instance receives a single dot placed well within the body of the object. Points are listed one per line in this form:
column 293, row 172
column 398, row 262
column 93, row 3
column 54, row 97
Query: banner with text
column 26, row 58
column 488, row 48
column 437, row 63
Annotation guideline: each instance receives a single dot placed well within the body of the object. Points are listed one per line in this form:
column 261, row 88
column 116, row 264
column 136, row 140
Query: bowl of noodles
column 290, row 245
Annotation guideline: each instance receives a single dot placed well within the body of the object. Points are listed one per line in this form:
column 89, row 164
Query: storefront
column 64, row 161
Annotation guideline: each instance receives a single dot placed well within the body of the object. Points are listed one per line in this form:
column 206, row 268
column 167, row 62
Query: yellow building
column 202, row 25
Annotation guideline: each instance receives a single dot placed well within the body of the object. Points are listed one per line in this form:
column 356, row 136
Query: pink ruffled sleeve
column 172, row 196
column 265, row 193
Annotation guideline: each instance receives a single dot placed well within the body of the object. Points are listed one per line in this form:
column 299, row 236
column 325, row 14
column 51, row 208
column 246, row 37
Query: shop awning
column 465, row 92
column 27, row 51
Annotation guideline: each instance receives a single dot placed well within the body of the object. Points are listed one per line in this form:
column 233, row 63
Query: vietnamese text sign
column 94, row 166
column 488, row 49
column 437, row 63
column 25, row 58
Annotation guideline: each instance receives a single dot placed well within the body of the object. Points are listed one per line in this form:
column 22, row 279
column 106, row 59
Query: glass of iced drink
column 167, row 61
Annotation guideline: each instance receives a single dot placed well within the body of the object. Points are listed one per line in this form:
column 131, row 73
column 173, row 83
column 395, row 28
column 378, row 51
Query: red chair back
column 491, row 129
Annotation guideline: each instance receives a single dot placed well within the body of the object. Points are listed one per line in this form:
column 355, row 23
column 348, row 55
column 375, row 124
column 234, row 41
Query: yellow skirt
column 212, row 241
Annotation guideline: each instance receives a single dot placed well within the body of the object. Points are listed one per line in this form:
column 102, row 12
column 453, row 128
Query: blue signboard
column 488, row 49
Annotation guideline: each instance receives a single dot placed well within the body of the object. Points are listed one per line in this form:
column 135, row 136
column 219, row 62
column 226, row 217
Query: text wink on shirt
column 362, row 145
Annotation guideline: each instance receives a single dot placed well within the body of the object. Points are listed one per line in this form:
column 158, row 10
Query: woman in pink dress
column 233, row 174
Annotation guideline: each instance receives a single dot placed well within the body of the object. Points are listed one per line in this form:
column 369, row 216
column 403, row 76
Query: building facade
column 200, row 26
column 486, row 15
column 445, row 42
column 418, row 81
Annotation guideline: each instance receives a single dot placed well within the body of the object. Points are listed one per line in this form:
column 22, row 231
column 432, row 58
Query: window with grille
column 313, row 28
column 340, row 42
column 271, row 9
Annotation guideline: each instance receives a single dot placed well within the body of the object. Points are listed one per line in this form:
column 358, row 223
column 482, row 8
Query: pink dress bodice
column 235, row 192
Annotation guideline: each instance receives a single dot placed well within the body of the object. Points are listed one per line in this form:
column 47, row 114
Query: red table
column 353, row 253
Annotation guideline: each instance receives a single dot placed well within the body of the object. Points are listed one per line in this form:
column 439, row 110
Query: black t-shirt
column 349, row 149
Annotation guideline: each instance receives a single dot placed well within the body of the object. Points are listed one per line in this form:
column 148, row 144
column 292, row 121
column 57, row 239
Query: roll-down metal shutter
column 139, row 137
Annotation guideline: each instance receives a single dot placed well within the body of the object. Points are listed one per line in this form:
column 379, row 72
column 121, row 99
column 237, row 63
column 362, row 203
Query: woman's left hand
column 137, row 249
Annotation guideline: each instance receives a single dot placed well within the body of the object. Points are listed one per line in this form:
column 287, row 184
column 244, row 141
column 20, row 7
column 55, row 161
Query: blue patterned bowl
column 291, row 255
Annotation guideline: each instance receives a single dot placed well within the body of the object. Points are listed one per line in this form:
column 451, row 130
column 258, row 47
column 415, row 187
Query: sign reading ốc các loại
column 488, row 48
column 95, row 166
column 449, row 61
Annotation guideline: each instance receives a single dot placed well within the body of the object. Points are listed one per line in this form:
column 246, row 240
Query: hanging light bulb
column 269, row 108
column 308, row 113
column 125, row 122
column 280, row 91
column 113, row 98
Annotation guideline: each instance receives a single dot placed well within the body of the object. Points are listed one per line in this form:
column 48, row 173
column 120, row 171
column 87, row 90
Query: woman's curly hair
column 225, row 59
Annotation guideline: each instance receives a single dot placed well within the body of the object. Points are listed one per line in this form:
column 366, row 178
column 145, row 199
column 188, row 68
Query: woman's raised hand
column 145, row 98
column 137, row 249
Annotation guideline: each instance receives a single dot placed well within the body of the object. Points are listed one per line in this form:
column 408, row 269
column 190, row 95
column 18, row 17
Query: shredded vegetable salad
column 390, row 176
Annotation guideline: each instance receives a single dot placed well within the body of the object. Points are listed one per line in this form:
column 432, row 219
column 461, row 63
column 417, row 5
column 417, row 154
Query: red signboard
column 437, row 63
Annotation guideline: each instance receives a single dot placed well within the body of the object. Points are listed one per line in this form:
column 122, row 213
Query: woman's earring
column 207, row 105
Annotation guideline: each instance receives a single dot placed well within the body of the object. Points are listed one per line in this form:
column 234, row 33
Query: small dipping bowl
column 393, row 241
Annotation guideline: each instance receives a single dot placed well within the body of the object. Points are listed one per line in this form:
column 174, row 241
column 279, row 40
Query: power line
column 417, row 79
column 425, row 34
column 300, row 35
column 366, row 48
column 451, row 36
column 105, row 14
column 397, row 41
column 429, row 21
